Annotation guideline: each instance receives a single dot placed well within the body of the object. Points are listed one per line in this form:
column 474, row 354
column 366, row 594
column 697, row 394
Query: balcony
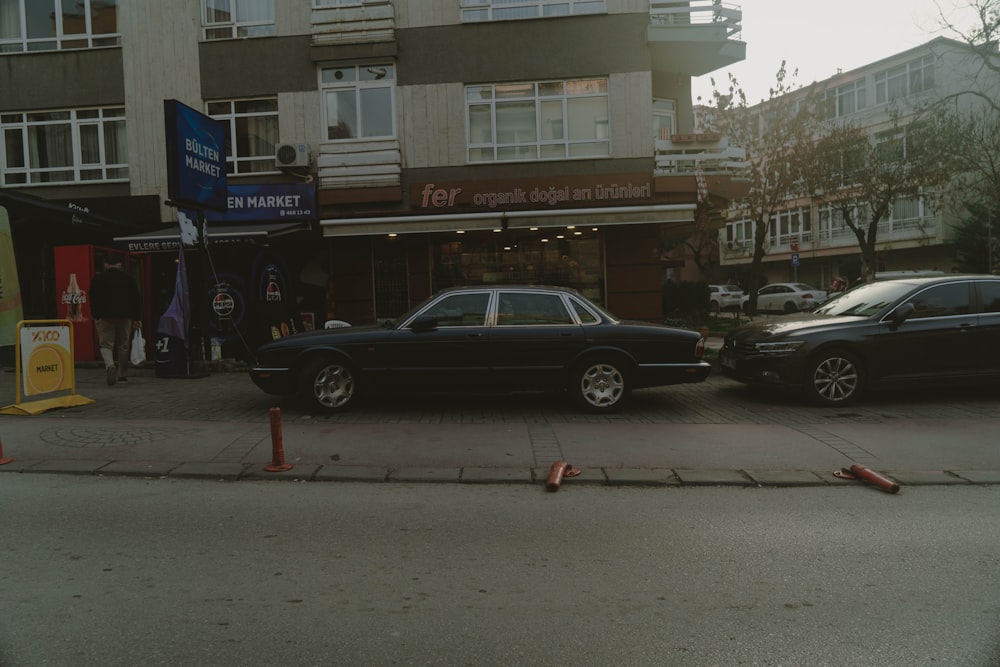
column 679, row 154
column 695, row 37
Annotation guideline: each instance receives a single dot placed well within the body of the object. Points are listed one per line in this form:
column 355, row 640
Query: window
column 664, row 119
column 912, row 77
column 989, row 294
column 50, row 25
column 359, row 101
column 942, row 301
column 551, row 120
column 500, row 10
column 851, row 98
column 521, row 308
column 227, row 19
column 67, row 146
column 460, row 310
column 251, row 133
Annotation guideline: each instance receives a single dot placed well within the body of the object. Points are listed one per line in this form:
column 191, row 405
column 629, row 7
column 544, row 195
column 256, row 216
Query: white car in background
column 785, row 298
column 724, row 297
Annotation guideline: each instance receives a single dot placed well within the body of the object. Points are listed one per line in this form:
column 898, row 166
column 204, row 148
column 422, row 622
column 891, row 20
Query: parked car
column 785, row 298
column 878, row 334
column 493, row 338
column 722, row 298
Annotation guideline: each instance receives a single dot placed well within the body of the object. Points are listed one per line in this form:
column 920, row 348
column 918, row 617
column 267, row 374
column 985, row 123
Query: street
column 121, row 571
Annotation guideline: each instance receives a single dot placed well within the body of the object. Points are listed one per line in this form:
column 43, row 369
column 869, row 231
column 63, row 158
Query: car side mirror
column 901, row 314
column 424, row 323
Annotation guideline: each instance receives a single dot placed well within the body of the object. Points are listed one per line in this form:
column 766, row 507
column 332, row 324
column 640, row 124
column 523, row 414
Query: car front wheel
column 600, row 385
column 835, row 377
column 328, row 385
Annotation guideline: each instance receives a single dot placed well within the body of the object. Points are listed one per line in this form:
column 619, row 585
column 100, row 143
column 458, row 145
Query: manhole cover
column 83, row 436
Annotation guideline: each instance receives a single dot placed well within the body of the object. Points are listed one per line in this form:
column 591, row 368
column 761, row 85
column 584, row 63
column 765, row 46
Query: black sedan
column 878, row 334
column 496, row 338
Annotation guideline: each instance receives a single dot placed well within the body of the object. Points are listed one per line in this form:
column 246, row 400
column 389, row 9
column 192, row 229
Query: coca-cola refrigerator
column 74, row 267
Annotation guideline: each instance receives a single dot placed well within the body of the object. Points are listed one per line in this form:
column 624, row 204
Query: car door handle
column 474, row 334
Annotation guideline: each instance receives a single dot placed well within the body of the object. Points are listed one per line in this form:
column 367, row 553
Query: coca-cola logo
column 74, row 298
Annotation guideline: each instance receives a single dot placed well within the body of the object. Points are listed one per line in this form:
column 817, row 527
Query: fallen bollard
column 557, row 472
column 277, row 448
column 865, row 474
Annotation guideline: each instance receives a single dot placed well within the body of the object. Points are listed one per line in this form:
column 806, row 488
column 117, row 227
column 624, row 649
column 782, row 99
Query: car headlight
column 782, row 346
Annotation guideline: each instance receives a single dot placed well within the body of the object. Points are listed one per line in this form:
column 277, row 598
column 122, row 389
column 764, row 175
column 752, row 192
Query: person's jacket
column 114, row 294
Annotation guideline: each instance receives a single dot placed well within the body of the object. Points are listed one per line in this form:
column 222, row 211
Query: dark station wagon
column 485, row 339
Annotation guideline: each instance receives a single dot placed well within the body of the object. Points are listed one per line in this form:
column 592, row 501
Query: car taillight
column 699, row 348
column 807, row 295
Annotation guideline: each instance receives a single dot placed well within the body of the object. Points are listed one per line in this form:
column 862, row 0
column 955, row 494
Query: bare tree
column 773, row 134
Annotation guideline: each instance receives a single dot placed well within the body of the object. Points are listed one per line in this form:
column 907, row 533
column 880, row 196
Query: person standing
column 114, row 303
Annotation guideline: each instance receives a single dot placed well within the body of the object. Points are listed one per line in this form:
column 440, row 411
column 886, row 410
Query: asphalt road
column 115, row 571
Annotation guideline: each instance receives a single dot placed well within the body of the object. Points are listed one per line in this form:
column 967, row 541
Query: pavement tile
column 979, row 476
column 329, row 473
column 924, row 477
column 425, row 475
column 714, row 477
column 641, row 476
column 210, row 470
column 297, row 473
column 18, row 465
column 785, row 477
column 496, row 475
column 139, row 468
column 67, row 466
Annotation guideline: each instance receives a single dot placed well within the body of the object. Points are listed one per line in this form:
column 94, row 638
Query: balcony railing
column 697, row 12
column 686, row 153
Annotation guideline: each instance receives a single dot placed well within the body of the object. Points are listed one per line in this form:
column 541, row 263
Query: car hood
column 318, row 336
column 785, row 327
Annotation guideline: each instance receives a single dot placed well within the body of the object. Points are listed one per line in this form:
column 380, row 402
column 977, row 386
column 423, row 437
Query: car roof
column 480, row 288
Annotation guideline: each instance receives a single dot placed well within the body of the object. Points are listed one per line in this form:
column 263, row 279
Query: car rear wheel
column 790, row 307
column 835, row 377
column 600, row 385
column 328, row 385
column 715, row 307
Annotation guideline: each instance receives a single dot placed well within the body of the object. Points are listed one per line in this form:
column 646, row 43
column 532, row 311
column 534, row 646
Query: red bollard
column 277, row 449
column 557, row 472
column 872, row 477
column 4, row 459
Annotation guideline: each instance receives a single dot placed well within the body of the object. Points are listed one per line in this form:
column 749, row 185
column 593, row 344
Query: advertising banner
column 196, row 157
column 271, row 202
column 45, row 368
column 10, row 290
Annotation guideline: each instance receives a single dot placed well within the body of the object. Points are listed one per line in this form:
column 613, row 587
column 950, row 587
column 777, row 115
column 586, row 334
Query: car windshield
column 865, row 300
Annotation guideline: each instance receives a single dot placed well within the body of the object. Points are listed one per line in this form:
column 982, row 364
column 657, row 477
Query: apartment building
column 809, row 241
column 377, row 150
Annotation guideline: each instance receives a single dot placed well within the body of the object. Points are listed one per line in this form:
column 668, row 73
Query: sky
column 818, row 37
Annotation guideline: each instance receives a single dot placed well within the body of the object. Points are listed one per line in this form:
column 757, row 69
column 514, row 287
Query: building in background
column 444, row 142
column 808, row 241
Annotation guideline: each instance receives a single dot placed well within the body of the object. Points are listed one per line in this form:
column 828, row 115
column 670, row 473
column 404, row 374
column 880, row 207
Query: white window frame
column 238, row 163
column 359, row 85
column 235, row 28
column 60, row 40
column 107, row 124
column 477, row 11
column 911, row 77
column 856, row 92
column 541, row 143
column 665, row 108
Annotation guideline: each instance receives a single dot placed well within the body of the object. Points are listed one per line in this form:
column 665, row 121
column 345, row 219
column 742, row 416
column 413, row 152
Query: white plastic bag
column 138, row 357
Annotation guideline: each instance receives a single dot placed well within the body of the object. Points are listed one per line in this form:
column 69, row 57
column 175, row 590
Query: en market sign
column 293, row 202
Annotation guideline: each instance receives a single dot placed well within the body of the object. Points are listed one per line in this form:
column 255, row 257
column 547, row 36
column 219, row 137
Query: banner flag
column 177, row 318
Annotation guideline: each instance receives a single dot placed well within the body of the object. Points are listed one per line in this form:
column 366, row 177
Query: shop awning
column 168, row 238
column 20, row 204
column 412, row 224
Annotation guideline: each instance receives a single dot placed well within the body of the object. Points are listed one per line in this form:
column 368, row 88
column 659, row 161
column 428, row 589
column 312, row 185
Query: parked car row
column 503, row 338
column 785, row 298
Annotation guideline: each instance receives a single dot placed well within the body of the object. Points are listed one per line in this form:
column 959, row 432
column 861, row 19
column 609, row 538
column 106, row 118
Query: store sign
column 558, row 192
column 279, row 201
column 47, row 359
column 196, row 158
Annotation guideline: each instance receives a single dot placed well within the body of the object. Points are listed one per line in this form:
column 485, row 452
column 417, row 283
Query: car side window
column 460, row 310
column 989, row 293
column 942, row 301
column 586, row 317
column 521, row 308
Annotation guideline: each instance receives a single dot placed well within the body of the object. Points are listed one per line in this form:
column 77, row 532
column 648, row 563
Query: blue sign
column 795, row 259
column 196, row 157
column 279, row 201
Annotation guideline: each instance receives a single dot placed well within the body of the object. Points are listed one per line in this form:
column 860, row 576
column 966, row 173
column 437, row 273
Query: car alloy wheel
column 329, row 385
column 601, row 386
column 836, row 379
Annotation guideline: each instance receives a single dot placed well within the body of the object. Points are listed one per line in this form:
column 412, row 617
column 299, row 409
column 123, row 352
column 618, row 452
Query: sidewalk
column 714, row 433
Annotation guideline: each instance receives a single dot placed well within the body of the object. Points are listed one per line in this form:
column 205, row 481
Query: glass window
column 63, row 146
column 851, row 98
column 942, row 301
column 501, row 10
column 989, row 294
column 664, row 118
column 359, row 101
column 228, row 19
column 49, row 25
column 251, row 133
column 460, row 310
column 903, row 80
column 538, row 121
column 522, row 308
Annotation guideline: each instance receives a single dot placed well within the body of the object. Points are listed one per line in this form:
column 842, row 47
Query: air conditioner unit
column 291, row 155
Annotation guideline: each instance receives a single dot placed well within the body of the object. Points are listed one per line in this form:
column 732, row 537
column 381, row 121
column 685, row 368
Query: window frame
column 231, row 119
column 236, row 28
column 60, row 41
column 481, row 11
column 358, row 85
column 903, row 75
column 77, row 122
